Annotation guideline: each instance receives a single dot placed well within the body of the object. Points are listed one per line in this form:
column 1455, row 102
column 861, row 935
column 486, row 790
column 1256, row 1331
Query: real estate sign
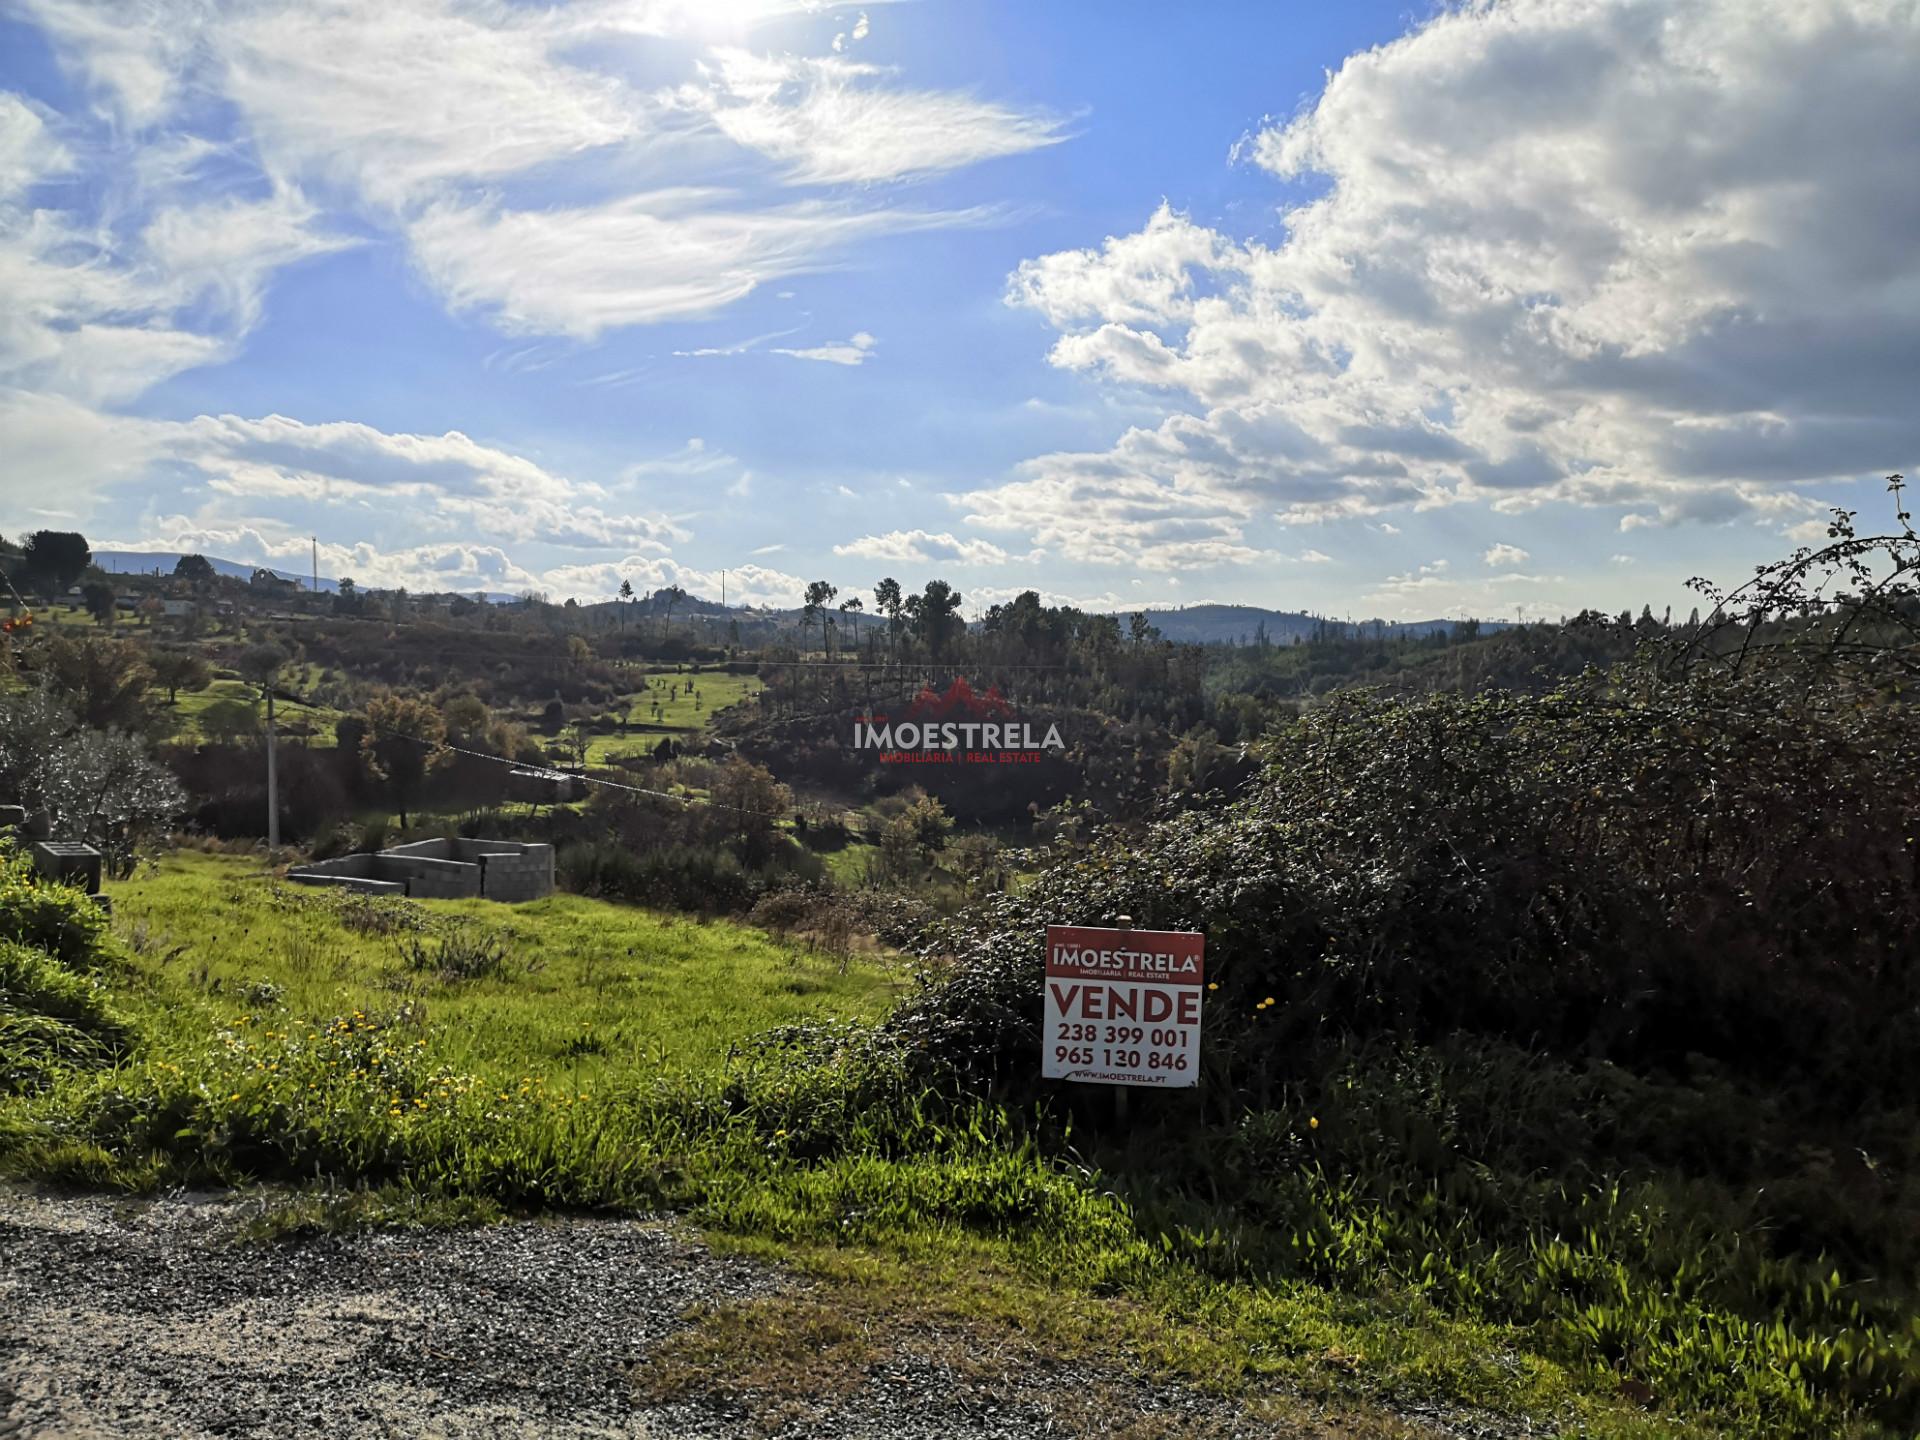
column 1123, row 1006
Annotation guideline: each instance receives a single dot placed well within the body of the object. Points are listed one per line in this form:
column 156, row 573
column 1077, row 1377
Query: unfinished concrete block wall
column 510, row 870
column 427, row 878
column 505, row 870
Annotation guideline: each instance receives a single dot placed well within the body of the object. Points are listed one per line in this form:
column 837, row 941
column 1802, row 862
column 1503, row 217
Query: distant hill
column 1192, row 624
column 145, row 562
column 1231, row 624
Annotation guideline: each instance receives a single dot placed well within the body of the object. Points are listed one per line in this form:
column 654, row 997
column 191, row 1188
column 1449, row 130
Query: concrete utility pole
column 273, row 787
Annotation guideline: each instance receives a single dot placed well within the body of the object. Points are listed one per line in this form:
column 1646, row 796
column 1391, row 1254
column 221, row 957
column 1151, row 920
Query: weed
column 457, row 952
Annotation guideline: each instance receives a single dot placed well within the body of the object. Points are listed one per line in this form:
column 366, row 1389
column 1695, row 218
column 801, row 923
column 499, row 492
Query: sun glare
column 729, row 19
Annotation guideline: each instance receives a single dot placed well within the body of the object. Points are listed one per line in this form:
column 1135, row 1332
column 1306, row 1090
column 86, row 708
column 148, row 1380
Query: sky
column 1480, row 309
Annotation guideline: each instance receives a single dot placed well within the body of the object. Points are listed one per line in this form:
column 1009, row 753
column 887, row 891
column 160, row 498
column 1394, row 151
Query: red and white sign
column 1123, row 1006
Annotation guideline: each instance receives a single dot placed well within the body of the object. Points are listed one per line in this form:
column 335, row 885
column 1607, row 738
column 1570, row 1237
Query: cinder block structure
column 505, row 870
column 68, row 863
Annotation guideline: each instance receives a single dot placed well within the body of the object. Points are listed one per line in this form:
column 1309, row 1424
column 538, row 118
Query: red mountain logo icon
column 959, row 702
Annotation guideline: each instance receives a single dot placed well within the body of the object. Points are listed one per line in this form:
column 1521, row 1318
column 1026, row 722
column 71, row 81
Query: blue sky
column 1353, row 308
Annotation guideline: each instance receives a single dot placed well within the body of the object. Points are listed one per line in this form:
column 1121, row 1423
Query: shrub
column 56, row 919
column 51, row 1018
column 460, row 951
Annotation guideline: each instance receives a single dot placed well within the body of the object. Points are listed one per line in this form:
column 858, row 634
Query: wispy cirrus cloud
column 833, row 121
column 857, row 349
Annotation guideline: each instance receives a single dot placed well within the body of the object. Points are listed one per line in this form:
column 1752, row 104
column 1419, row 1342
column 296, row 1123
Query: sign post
column 1123, row 1006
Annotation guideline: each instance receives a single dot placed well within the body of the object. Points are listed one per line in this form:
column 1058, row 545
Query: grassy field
column 189, row 706
column 393, row 1062
column 599, row 993
column 680, row 712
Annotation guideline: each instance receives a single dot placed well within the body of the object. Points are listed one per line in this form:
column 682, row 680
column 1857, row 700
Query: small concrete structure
column 505, row 870
column 66, row 862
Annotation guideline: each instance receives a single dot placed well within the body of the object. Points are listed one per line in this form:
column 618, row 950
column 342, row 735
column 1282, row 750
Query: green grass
column 679, row 713
column 599, row 992
column 606, row 1059
column 189, row 706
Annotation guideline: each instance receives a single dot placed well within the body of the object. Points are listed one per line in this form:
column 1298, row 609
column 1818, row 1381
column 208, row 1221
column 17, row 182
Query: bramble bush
column 1590, row 1010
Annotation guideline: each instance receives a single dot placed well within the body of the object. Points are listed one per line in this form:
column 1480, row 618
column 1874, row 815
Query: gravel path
column 146, row 1318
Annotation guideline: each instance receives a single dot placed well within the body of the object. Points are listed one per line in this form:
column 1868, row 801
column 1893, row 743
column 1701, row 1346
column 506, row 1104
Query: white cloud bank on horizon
column 1597, row 252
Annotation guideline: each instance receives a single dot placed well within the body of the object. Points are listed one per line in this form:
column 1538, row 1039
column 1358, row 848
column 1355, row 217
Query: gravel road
column 147, row 1318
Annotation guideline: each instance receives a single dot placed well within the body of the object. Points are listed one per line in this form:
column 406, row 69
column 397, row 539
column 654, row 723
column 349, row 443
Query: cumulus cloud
column 919, row 547
column 754, row 585
column 1502, row 553
column 1582, row 251
column 453, row 566
column 1117, row 510
column 449, row 482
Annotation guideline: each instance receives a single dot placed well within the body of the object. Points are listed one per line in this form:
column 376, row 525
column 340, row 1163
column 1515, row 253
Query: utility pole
column 316, row 564
column 273, row 787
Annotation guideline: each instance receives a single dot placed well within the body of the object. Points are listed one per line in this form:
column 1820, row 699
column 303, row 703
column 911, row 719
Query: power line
column 545, row 772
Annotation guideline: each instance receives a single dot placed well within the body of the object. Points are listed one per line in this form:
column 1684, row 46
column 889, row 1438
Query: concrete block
column 68, row 863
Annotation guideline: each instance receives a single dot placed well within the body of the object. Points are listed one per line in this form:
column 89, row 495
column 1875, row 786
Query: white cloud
column 831, row 121
column 1502, row 553
column 647, row 258
column 919, row 547
column 448, row 482
column 1589, row 251
column 531, row 181
column 453, row 565
column 851, row 351
column 1314, row 557
column 101, row 316
column 133, row 53
column 745, row 584
column 981, row 598
column 28, row 151
column 740, row 347
column 398, row 101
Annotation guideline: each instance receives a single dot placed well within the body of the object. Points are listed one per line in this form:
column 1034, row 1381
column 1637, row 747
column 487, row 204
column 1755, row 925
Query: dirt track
column 125, row 1318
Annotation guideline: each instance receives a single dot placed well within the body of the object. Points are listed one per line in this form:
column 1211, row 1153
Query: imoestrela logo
column 956, row 727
